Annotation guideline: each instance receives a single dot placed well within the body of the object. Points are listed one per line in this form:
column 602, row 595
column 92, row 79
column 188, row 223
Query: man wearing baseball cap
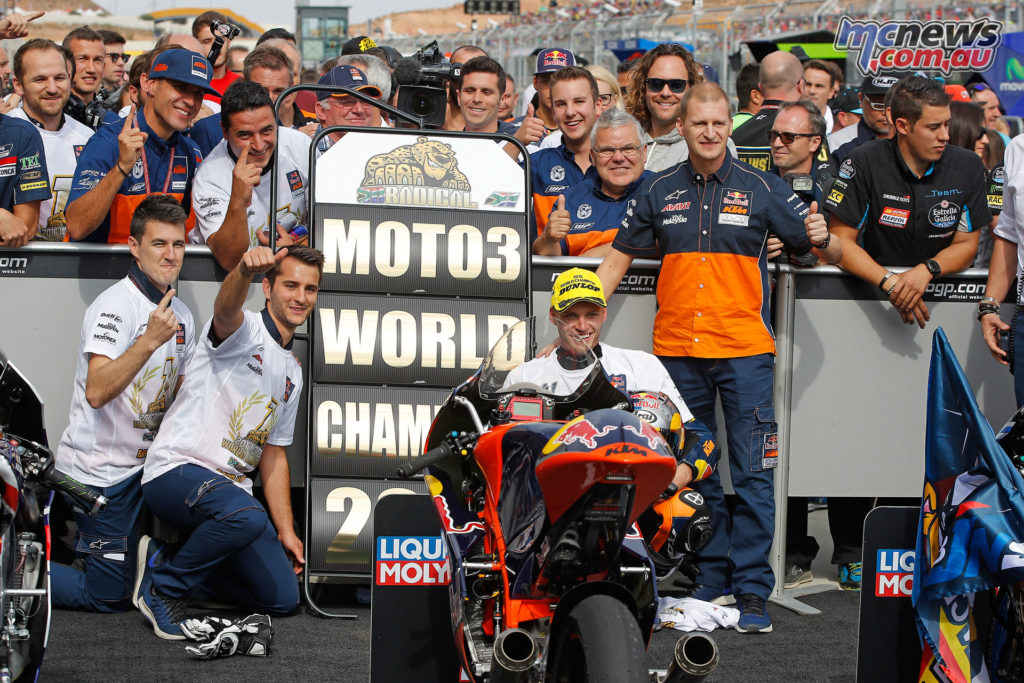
column 539, row 119
column 342, row 109
column 874, row 122
column 144, row 154
column 579, row 311
column 846, row 108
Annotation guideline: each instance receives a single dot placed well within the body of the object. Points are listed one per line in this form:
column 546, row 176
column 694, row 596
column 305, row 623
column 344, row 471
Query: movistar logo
column 1014, row 70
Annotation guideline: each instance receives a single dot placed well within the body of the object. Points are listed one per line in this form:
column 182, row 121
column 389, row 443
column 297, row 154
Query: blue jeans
column 107, row 543
column 737, row 555
column 232, row 550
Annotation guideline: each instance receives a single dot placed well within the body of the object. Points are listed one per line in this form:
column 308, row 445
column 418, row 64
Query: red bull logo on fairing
column 579, row 430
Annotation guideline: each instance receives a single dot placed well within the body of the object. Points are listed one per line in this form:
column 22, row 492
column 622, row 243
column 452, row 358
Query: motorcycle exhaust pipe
column 515, row 652
column 694, row 657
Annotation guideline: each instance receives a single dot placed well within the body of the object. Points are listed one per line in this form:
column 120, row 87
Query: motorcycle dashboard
column 527, row 408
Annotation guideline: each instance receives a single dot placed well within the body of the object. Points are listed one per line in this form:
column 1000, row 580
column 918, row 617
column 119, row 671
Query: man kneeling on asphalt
column 136, row 341
column 235, row 414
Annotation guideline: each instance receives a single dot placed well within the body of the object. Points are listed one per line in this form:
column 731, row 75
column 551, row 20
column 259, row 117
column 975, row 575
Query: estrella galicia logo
column 943, row 46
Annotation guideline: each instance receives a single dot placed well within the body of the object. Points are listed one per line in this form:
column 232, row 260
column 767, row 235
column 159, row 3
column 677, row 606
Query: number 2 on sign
column 339, row 500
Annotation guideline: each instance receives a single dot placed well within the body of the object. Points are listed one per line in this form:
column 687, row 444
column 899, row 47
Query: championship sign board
column 426, row 242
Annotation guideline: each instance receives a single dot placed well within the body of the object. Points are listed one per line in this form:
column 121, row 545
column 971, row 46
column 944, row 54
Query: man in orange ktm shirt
column 145, row 153
column 709, row 218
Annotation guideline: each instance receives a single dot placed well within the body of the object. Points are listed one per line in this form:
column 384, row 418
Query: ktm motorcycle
column 539, row 471
column 27, row 477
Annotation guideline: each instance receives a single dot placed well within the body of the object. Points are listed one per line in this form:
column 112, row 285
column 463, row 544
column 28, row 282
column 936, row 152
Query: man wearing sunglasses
column 657, row 84
column 781, row 80
column 114, row 69
column 874, row 122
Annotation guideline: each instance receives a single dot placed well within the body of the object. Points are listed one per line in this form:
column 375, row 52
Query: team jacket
column 905, row 220
column 713, row 293
column 168, row 165
column 23, row 174
column 553, row 170
column 595, row 216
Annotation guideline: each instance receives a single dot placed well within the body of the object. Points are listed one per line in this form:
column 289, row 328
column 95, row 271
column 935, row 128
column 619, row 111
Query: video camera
column 423, row 80
column 91, row 114
column 221, row 31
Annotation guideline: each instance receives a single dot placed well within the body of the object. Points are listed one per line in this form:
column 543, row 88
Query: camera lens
column 422, row 105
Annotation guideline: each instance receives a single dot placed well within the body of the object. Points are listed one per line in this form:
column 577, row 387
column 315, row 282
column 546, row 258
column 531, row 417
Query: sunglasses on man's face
column 676, row 85
column 119, row 57
column 787, row 138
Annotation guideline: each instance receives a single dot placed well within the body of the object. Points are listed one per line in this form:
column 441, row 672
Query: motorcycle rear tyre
column 599, row 642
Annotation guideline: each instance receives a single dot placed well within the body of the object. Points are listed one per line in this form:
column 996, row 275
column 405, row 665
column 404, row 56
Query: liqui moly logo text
column 894, row 577
column 412, row 561
column 943, row 46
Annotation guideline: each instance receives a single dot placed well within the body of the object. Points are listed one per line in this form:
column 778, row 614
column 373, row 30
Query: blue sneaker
column 713, row 594
column 849, row 576
column 753, row 615
column 164, row 613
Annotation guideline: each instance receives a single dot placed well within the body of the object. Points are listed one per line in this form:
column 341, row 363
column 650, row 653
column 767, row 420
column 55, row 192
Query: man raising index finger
column 236, row 416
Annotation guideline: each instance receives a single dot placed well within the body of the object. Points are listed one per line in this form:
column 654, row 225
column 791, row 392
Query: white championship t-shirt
column 237, row 397
column 211, row 189
column 62, row 148
column 627, row 369
column 104, row 446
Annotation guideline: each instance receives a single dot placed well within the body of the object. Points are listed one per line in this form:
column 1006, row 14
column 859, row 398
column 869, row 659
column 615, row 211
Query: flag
column 971, row 531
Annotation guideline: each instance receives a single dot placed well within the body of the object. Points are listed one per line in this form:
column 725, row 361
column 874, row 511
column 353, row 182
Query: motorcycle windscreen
column 543, row 355
column 21, row 408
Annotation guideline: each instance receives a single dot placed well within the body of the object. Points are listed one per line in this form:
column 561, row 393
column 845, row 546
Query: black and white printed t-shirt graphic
column 211, row 190
column 238, row 397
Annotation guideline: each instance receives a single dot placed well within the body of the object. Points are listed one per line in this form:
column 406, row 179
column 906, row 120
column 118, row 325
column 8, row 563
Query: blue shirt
column 595, row 216
column 207, row 133
column 171, row 166
column 553, row 170
column 23, row 174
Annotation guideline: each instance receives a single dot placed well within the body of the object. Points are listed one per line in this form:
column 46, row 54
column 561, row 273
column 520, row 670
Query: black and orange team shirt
column 165, row 167
column 710, row 231
column 905, row 220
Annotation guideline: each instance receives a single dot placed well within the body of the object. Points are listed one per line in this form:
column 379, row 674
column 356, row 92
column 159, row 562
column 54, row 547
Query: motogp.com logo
column 944, row 46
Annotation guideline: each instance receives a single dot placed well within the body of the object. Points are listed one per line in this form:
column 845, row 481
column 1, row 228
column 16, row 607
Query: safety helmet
column 660, row 412
column 675, row 529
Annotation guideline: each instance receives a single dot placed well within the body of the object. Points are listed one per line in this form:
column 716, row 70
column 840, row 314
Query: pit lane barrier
column 851, row 378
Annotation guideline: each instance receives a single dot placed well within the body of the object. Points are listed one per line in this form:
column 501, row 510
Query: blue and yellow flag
column 971, row 533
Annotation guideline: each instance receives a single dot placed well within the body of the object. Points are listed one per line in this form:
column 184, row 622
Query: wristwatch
column 933, row 267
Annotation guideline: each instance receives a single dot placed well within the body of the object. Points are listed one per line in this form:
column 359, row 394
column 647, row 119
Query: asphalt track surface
column 122, row 647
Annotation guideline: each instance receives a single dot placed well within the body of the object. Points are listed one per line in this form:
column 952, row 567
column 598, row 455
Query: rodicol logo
column 943, row 46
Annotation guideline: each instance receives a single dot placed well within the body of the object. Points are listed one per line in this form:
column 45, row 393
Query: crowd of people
column 899, row 171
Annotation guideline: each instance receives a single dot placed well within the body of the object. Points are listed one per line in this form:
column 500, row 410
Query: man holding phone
column 231, row 195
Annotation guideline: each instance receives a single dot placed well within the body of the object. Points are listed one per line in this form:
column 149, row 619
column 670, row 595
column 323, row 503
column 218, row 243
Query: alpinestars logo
column 943, row 46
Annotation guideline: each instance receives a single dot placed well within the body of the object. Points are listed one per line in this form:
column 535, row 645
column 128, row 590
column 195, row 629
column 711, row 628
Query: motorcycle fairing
column 603, row 445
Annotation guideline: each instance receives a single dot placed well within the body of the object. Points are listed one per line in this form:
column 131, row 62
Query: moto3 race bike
column 539, row 477
column 27, row 482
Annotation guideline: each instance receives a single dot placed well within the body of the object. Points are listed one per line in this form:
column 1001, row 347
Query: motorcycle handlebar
column 37, row 464
column 434, row 455
column 93, row 500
